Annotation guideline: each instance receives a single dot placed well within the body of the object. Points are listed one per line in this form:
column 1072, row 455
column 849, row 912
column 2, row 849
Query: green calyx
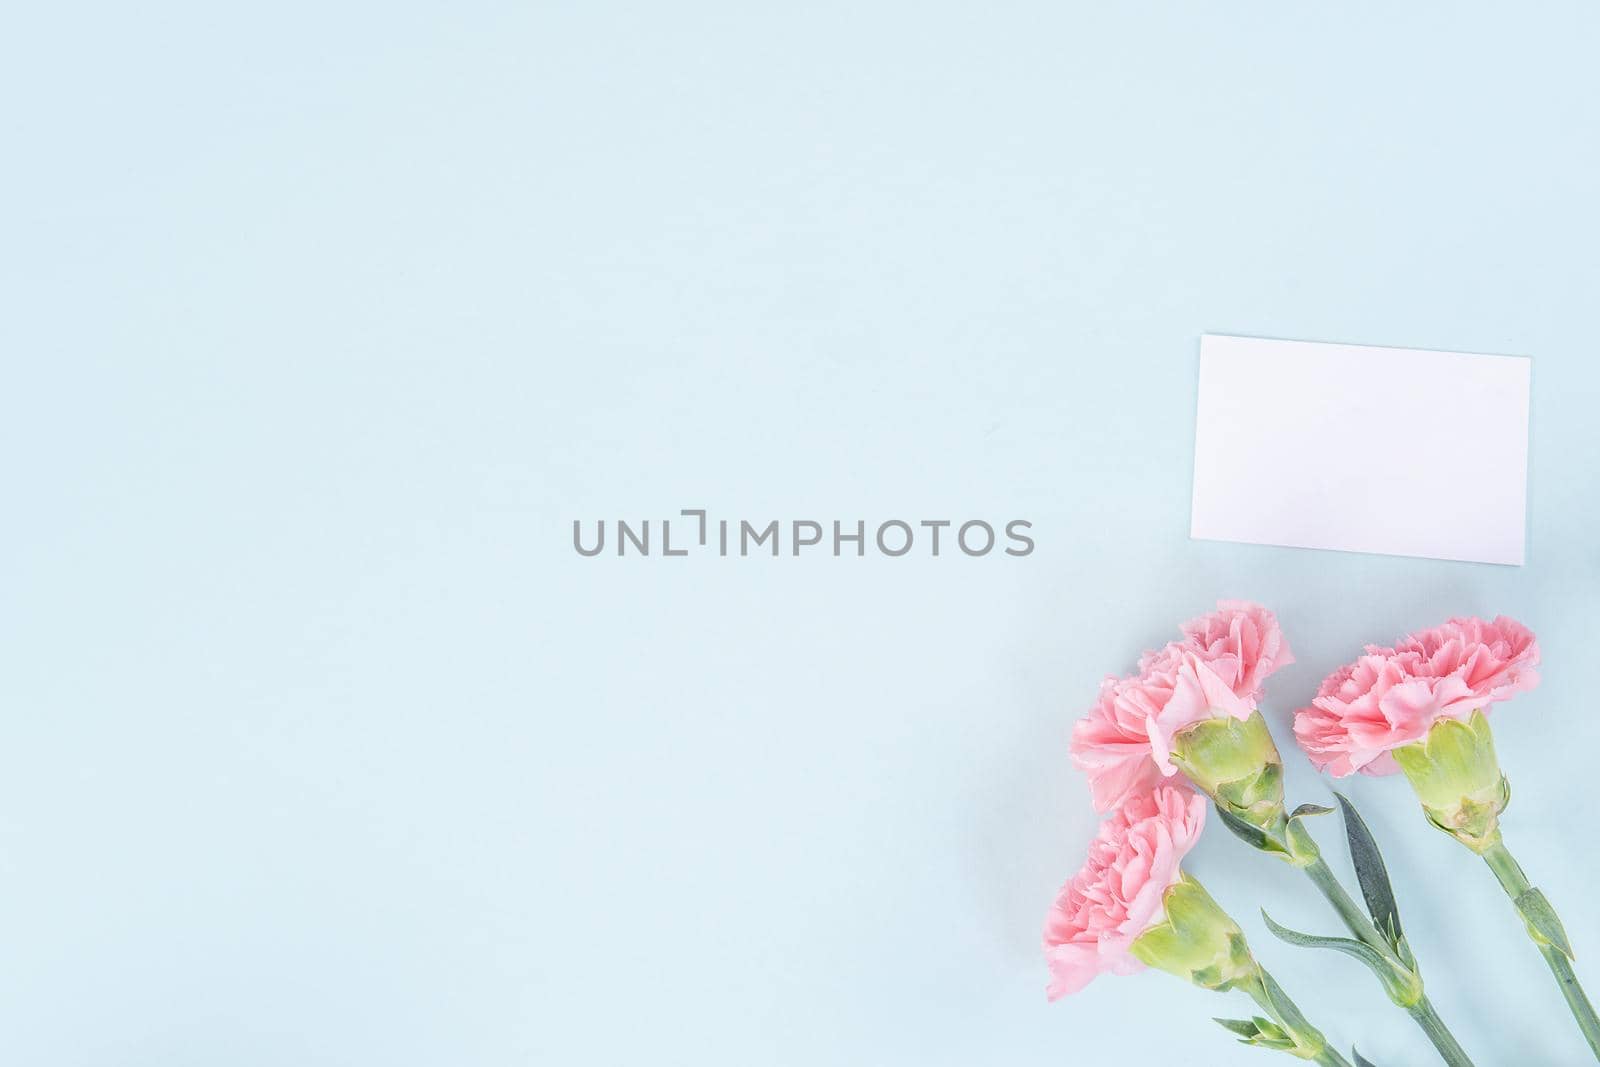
column 1236, row 764
column 1455, row 774
column 1197, row 941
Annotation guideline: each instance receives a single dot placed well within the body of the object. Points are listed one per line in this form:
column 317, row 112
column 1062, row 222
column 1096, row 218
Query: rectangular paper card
column 1394, row 450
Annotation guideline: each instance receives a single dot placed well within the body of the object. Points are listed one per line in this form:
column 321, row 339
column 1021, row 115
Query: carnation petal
column 1392, row 696
column 1117, row 895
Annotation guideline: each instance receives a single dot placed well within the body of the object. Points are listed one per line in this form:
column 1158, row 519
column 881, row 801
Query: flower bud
column 1235, row 763
column 1196, row 940
column 1456, row 776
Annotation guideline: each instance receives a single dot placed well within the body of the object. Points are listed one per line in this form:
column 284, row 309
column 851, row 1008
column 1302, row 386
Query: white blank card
column 1393, row 450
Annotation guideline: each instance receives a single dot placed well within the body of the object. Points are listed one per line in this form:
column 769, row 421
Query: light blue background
column 323, row 322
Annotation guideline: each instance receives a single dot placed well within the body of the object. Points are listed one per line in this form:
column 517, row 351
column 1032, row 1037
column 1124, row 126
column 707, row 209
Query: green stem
column 1287, row 1015
column 1329, row 1057
column 1515, row 883
column 1443, row 1040
column 1353, row 915
column 1412, row 999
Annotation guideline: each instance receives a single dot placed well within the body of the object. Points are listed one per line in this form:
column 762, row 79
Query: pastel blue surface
column 324, row 322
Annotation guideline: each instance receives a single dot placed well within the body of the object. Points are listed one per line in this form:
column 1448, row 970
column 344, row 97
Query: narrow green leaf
column 1243, row 1027
column 1302, row 846
column 1371, row 872
column 1401, row 984
column 1272, row 1034
column 1251, row 835
column 1407, row 957
column 1268, row 1027
column 1350, row 947
column 1361, row 1061
column 1282, row 1007
column 1542, row 918
column 1309, row 809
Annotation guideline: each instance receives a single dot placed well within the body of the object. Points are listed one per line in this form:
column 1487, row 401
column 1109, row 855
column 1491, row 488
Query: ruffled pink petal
column 1198, row 694
column 1216, row 669
column 1073, row 965
column 1393, row 696
column 1118, row 894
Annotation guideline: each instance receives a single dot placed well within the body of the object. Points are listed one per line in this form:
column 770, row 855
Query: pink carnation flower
column 1392, row 696
column 1117, row 895
column 1243, row 644
column 1124, row 743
